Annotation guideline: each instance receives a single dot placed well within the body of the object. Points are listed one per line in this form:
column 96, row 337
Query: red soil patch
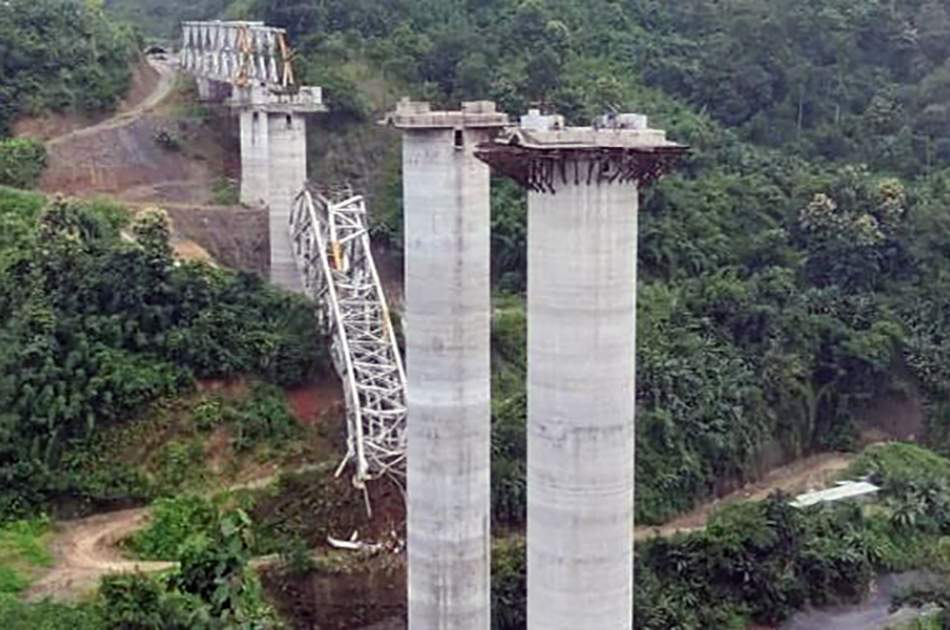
column 310, row 402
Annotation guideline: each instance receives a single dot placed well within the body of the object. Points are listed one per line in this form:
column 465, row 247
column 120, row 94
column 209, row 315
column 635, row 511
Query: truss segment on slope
column 332, row 248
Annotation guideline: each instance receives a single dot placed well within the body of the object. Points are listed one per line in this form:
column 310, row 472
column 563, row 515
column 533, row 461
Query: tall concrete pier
column 447, row 223
column 582, row 254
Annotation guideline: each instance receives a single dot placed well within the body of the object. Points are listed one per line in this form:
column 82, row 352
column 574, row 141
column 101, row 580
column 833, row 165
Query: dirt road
column 85, row 550
column 166, row 82
column 809, row 473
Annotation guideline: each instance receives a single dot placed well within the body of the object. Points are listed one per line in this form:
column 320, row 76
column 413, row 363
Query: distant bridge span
column 249, row 66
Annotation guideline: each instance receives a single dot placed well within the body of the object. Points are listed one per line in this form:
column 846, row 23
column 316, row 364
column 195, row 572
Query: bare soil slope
column 52, row 125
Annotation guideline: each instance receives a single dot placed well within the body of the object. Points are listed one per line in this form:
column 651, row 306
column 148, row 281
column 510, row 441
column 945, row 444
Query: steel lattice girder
column 332, row 248
column 238, row 53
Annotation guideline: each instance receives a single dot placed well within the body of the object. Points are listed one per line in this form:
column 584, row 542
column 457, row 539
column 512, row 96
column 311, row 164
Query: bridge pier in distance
column 250, row 66
column 448, row 313
column 274, row 165
column 582, row 256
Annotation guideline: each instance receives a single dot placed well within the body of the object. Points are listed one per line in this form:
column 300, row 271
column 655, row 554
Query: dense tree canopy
column 93, row 327
column 781, row 291
column 60, row 55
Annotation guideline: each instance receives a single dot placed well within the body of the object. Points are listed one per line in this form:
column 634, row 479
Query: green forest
column 793, row 272
column 61, row 56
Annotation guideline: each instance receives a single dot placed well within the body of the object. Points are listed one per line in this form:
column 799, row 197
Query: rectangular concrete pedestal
column 273, row 171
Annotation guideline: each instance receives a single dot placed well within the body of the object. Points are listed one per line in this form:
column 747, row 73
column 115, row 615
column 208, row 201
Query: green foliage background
column 94, row 327
column 61, row 55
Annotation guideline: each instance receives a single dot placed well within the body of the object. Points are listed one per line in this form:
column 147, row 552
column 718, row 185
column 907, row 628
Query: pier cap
column 302, row 100
column 616, row 148
column 419, row 115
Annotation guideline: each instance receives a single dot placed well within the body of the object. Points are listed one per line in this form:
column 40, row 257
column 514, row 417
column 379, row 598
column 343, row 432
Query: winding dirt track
column 166, row 82
column 800, row 476
column 87, row 549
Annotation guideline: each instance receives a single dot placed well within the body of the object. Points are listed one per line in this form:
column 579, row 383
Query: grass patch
column 225, row 192
column 17, row 615
column 898, row 461
column 23, row 549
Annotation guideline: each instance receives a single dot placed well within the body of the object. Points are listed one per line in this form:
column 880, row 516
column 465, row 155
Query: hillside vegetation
column 781, row 291
column 61, row 55
column 97, row 321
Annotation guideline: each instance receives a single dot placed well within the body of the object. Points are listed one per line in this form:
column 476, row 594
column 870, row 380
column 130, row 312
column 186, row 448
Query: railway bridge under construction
column 427, row 424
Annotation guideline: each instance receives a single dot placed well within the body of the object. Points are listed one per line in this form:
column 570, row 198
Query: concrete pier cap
column 304, row 100
column 617, row 148
column 411, row 114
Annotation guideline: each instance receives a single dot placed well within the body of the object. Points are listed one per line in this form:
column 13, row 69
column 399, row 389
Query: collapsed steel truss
column 332, row 248
column 239, row 53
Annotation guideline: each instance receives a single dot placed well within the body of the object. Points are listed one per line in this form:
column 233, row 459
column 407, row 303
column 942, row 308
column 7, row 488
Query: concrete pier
column 448, row 312
column 274, row 165
column 287, row 163
column 250, row 66
column 255, row 151
column 582, row 254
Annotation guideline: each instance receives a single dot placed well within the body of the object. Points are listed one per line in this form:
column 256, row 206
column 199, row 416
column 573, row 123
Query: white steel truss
column 239, row 53
column 332, row 248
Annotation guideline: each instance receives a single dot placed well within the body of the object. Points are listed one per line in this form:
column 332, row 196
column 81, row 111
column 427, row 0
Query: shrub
column 174, row 521
column 22, row 161
column 264, row 417
column 213, row 588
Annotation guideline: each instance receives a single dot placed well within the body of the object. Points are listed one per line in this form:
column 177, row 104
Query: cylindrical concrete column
column 582, row 288
column 447, row 219
column 582, row 253
column 287, row 174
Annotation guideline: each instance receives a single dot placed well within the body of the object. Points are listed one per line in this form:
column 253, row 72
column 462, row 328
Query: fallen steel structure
column 331, row 245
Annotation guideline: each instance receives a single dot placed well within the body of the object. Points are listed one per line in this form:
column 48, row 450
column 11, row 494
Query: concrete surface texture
column 582, row 253
column 287, row 174
column 255, row 150
column 447, row 222
column 582, row 286
column 273, row 171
